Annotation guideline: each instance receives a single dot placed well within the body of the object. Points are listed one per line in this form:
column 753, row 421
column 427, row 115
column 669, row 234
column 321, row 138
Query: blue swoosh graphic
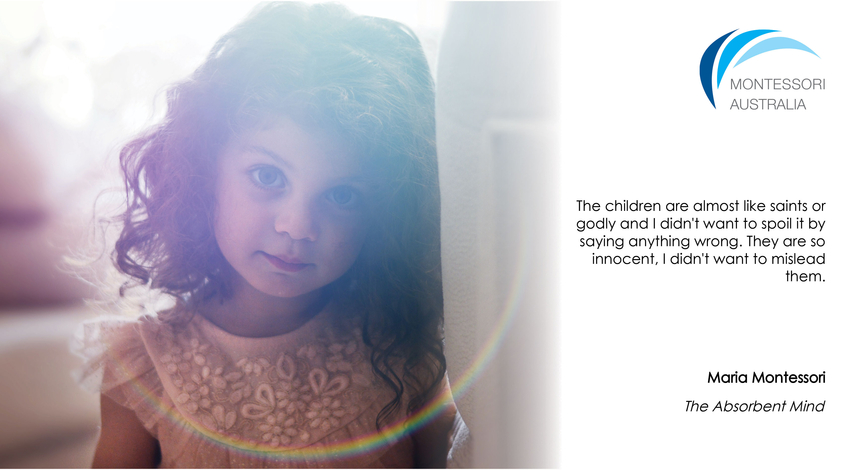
column 734, row 46
column 772, row 44
column 706, row 64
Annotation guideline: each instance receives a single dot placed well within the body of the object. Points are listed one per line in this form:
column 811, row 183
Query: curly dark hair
column 362, row 78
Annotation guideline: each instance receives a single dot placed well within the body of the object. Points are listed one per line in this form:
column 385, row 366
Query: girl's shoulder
column 117, row 349
column 112, row 350
column 117, row 363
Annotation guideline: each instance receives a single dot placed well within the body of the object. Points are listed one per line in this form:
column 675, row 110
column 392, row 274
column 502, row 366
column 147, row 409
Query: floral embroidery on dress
column 291, row 399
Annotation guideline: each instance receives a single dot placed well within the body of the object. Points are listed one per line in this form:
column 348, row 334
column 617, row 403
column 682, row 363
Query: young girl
column 289, row 204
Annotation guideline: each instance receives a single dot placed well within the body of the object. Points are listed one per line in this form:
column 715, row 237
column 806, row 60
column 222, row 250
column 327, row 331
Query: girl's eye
column 343, row 196
column 268, row 177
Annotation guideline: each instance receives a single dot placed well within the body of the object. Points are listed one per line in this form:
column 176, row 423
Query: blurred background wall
column 497, row 140
column 77, row 79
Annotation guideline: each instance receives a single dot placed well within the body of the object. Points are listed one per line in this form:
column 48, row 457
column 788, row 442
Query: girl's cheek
column 352, row 233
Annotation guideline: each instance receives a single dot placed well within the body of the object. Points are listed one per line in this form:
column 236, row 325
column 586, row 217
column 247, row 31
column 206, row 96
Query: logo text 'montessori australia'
column 755, row 44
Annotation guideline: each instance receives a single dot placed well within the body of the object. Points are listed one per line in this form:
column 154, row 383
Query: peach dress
column 307, row 398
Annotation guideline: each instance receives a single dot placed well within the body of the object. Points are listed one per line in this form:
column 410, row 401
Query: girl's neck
column 251, row 313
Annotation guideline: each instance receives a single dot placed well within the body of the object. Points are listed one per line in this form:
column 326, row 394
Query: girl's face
column 291, row 213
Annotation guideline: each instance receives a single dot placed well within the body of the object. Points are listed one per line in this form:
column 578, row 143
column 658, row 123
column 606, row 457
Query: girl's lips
column 290, row 266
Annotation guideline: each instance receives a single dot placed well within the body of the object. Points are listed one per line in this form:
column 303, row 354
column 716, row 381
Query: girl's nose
column 297, row 220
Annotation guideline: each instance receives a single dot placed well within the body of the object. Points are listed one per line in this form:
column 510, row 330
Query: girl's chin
column 287, row 292
column 273, row 285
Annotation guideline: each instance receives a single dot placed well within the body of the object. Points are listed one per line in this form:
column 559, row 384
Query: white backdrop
column 640, row 340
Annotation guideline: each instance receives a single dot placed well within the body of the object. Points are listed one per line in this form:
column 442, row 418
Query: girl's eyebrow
column 269, row 153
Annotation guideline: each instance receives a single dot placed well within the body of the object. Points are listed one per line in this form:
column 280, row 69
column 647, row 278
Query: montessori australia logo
column 753, row 43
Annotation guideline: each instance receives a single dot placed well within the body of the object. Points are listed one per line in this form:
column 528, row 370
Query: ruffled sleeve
column 116, row 363
column 460, row 441
column 460, row 445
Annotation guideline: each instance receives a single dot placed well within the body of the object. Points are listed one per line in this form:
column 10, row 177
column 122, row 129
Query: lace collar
column 290, row 390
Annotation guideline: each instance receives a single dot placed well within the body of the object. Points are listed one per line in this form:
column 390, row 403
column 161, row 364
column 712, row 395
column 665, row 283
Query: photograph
column 281, row 234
